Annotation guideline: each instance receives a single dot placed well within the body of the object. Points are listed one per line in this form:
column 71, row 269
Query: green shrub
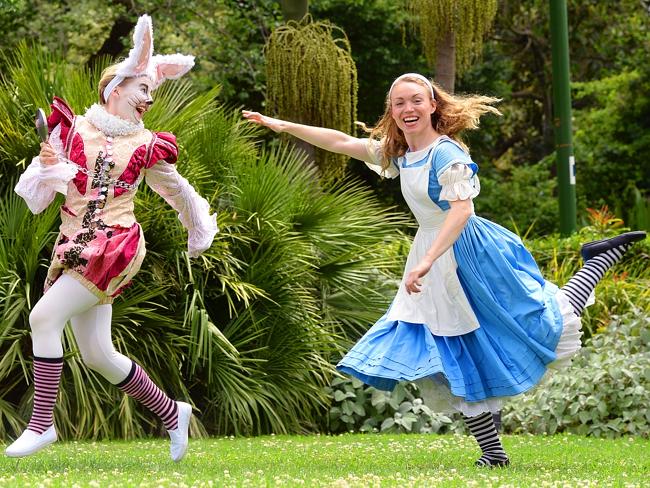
column 612, row 141
column 360, row 408
column 604, row 393
column 522, row 199
column 248, row 330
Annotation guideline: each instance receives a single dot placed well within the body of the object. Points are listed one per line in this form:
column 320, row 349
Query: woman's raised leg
column 598, row 257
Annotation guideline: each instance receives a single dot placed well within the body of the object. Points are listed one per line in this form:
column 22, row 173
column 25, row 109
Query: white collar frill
column 109, row 124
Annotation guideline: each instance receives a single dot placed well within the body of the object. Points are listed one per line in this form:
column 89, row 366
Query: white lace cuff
column 193, row 210
column 40, row 182
column 458, row 183
column 373, row 161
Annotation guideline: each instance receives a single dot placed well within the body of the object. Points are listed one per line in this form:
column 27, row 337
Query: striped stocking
column 138, row 385
column 580, row 286
column 47, row 376
column 483, row 429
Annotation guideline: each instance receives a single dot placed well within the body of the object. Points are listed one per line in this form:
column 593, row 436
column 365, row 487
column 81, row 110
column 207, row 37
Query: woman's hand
column 47, row 154
column 275, row 125
column 414, row 277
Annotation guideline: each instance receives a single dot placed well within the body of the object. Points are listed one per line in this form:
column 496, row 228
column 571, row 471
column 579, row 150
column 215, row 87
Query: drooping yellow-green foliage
column 469, row 20
column 312, row 79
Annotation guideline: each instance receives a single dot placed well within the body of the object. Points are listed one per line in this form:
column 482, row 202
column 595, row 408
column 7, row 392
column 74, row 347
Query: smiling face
column 131, row 99
column 411, row 108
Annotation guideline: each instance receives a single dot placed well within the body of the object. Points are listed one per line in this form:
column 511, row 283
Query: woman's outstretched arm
column 328, row 139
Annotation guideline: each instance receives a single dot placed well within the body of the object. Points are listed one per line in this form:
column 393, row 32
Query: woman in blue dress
column 473, row 320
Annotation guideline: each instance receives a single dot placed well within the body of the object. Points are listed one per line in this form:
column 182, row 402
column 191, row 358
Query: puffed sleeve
column 459, row 182
column 39, row 183
column 193, row 210
column 163, row 148
column 456, row 172
column 374, row 160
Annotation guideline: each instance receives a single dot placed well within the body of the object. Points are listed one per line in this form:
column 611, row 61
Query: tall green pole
column 562, row 116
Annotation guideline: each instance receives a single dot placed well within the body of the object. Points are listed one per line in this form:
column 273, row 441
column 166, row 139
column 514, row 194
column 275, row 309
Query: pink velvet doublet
column 100, row 243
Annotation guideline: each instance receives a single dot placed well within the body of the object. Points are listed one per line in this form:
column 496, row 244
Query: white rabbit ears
column 142, row 62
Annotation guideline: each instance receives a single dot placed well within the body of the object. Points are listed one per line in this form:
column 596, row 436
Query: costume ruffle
column 374, row 157
column 570, row 342
column 109, row 124
column 39, row 183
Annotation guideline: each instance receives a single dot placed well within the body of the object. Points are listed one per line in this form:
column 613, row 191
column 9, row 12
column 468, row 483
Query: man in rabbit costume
column 97, row 161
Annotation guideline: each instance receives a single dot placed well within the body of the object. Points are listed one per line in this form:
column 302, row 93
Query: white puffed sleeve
column 459, row 182
column 193, row 210
column 374, row 158
column 40, row 182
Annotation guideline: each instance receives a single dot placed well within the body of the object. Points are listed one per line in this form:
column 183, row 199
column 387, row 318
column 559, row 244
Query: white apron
column 441, row 305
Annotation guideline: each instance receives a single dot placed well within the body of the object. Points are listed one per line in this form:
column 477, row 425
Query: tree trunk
column 294, row 9
column 446, row 62
column 305, row 147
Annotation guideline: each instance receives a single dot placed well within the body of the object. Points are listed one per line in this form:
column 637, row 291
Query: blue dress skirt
column 521, row 318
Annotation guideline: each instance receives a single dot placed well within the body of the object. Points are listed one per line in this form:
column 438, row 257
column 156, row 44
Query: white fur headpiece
column 142, row 62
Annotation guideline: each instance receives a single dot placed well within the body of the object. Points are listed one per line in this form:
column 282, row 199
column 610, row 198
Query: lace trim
column 193, row 210
column 39, row 183
column 109, row 124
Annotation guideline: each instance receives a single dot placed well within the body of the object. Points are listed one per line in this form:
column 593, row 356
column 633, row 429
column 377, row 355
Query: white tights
column 68, row 300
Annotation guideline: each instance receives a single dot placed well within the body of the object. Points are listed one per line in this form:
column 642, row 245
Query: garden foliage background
column 303, row 265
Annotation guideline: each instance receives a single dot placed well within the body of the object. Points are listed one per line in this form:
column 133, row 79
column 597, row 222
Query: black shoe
column 484, row 462
column 594, row 248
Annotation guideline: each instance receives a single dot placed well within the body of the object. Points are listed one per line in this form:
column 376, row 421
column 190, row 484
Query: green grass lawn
column 342, row 461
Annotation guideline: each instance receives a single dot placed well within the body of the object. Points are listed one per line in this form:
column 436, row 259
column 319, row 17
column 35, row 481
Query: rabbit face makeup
column 131, row 99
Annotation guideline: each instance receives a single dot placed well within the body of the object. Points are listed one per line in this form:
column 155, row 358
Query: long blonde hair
column 453, row 115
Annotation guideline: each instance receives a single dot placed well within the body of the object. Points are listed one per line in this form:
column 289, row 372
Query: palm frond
column 250, row 330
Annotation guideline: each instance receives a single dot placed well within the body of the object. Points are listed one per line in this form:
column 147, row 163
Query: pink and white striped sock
column 139, row 386
column 47, row 376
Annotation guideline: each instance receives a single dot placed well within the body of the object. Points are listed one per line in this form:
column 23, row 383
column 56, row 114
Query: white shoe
column 30, row 442
column 178, row 436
